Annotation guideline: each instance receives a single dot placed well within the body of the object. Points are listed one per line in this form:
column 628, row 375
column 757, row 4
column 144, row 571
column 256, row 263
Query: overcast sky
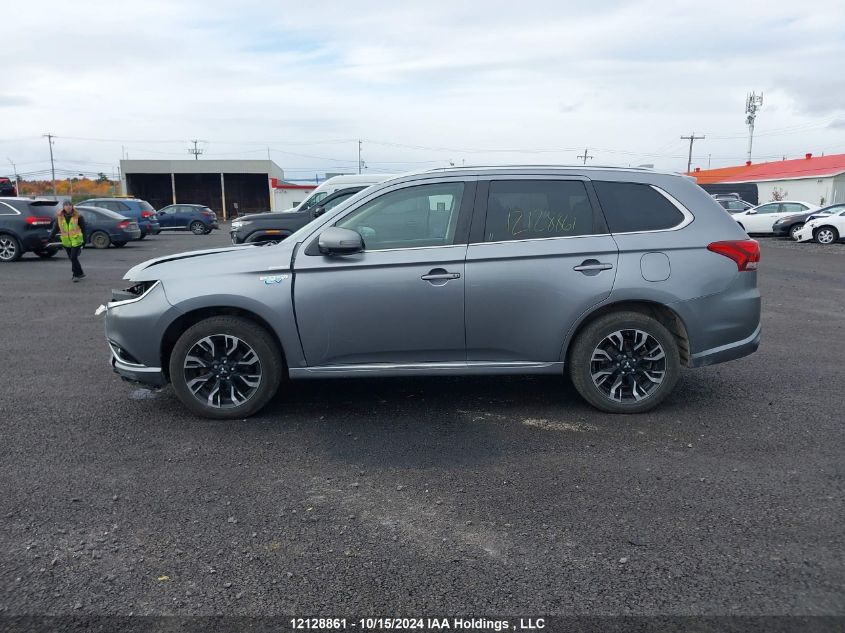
column 422, row 83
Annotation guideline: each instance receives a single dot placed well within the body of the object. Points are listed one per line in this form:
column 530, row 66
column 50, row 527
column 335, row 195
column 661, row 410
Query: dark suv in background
column 196, row 218
column 277, row 225
column 7, row 187
column 133, row 208
column 25, row 225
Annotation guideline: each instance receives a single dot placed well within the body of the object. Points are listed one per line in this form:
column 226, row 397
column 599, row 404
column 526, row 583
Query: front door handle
column 433, row 276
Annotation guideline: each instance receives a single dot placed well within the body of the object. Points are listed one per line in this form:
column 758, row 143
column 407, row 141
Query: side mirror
column 319, row 210
column 337, row 241
column 752, row 212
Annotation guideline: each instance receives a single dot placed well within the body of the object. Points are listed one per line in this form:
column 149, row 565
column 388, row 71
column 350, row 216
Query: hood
column 269, row 215
column 215, row 261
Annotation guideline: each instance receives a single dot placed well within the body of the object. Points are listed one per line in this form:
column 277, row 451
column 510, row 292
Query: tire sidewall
column 594, row 333
column 256, row 337
column 100, row 235
column 193, row 227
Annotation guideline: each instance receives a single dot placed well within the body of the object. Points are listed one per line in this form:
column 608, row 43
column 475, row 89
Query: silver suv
column 618, row 276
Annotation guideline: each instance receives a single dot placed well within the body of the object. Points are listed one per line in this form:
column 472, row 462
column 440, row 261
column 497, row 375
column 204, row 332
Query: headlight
column 237, row 224
column 130, row 295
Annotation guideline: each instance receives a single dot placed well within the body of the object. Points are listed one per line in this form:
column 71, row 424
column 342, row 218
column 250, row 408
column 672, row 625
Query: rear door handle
column 592, row 265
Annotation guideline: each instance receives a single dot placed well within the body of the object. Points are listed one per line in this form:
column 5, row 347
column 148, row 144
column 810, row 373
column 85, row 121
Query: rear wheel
column 826, row 235
column 99, row 239
column 10, row 248
column 197, row 228
column 793, row 230
column 143, row 235
column 225, row 367
column 625, row 362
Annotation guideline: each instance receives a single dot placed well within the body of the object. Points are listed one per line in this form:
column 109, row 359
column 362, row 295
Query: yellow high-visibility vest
column 69, row 230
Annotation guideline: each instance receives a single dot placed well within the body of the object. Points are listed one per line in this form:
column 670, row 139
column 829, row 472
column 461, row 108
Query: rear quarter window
column 630, row 207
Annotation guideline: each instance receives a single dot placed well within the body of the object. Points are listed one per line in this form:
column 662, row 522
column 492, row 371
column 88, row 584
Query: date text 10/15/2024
column 417, row 624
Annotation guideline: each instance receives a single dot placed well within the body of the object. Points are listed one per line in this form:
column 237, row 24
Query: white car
column 760, row 219
column 824, row 230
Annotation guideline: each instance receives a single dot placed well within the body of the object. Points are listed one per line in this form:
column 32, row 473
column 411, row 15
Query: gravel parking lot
column 435, row 496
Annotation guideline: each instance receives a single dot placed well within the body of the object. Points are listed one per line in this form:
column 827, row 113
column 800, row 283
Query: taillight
column 123, row 224
column 746, row 253
column 146, row 214
column 208, row 213
column 35, row 220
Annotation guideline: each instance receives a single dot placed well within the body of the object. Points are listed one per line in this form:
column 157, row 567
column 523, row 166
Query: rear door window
column 537, row 209
column 631, row 207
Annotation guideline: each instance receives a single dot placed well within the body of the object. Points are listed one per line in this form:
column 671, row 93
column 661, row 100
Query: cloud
column 11, row 101
column 628, row 76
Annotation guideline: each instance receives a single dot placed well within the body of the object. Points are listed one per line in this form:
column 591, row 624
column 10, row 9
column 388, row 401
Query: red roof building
column 815, row 179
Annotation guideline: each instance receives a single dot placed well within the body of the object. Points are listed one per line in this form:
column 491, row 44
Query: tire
column 10, row 248
column 193, row 359
column 794, row 229
column 197, row 228
column 99, row 239
column 47, row 253
column 586, row 360
column 119, row 244
column 143, row 235
column 826, row 235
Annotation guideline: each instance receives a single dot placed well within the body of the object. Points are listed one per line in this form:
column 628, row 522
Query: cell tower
column 753, row 102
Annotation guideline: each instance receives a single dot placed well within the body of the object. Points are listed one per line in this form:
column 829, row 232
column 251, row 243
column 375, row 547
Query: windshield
column 305, row 230
column 310, row 202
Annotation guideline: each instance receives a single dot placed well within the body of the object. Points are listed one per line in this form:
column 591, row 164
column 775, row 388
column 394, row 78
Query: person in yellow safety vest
column 70, row 226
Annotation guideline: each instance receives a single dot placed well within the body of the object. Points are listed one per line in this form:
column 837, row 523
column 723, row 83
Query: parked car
column 829, row 210
column 196, row 218
column 7, row 188
column 336, row 183
column 761, row 219
column 104, row 228
column 133, row 208
column 276, row 226
column 618, row 276
column 825, row 229
column 25, row 225
column 789, row 225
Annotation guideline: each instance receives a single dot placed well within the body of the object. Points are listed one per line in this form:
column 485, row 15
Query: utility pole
column 195, row 151
column 585, row 156
column 360, row 162
column 692, row 138
column 753, row 102
column 49, row 138
column 17, row 182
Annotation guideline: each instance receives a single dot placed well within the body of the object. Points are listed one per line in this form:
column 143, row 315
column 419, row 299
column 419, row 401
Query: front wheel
column 625, row 362
column 197, row 228
column 225, row 367
column 793, row 231
column 826, row 235
column 100, row 240
column 10, row 248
